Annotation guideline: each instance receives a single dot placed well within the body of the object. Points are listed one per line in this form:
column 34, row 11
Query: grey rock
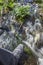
column 10, row 58
column 39, row 43
column 18, row 51
column 1, row 32
column 7, row 58
column 8, row 41
column 37, row 25
column 5, row 28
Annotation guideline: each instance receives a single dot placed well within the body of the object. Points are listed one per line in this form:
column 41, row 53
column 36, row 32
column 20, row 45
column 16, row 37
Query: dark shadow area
column 1, row 63
column 23, row 58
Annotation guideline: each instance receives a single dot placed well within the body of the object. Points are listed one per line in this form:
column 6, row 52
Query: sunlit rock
column 8, row 41
column 40, row 61
column 18, row 51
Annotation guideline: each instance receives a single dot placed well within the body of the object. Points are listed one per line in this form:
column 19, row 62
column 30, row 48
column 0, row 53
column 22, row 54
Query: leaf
column 1, row 1
column 11, row 4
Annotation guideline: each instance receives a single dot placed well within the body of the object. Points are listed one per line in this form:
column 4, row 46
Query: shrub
column 38, row 1
column 6, row 4
column 21, row 12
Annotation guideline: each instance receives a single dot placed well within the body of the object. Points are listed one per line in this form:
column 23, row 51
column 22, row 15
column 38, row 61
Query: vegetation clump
column 21, row 12
column 38, row 1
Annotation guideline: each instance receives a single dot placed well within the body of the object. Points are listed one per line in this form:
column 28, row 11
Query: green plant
column 6, row 4
column 38, row 1
column 21, row 12
column 41, row 5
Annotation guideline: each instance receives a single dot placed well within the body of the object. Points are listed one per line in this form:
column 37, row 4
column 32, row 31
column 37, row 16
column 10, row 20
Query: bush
column 38, row 1
column 6, row 4
column 21, row 12
column 41, row 5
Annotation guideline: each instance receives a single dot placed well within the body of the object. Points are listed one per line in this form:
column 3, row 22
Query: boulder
column 10, row 58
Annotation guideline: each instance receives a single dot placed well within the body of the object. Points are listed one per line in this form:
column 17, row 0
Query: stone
column 4, row 27
column 10, row 58
column 18, row 51
column 40, row 60
column 7, row 58
column 1, row 31
column 40, row 41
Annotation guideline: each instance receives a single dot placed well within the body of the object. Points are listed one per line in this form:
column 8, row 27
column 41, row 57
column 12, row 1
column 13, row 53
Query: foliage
column 21, row 12
column 10, row 4
column 41, row 5
column 38, row 1
column 6, row 4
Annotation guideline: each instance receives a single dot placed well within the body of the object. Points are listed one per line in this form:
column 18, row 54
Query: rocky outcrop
column 10, row 58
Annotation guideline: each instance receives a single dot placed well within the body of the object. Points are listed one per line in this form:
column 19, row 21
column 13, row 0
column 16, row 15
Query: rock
column 1, row 32
column 37, row 25
column 18, row 51
column 10, row 58
column 28, row 1
column 5, row 28
column 38, row 46
column 8, row 41
column 40, row 11
column 40, row 61
column 40, row 41
column 7, row 58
